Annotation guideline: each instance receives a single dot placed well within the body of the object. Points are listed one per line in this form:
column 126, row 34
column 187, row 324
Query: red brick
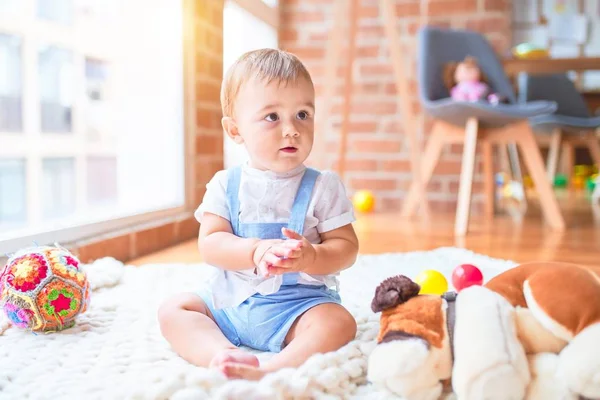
column 292, row 17
column 395, row 165
column 187, row 229
column 208, row 145
column 359, row 126
column 361, row 107
column 208, row 118
column 376, row 146
column 307, row 53
column 485, row 24
column 373, row 184
column 446, row 7
column 475, row 187
column 205, row 170
column 370, row 31
column 394, row 126
column 377, row 69
column 412, row 9
column 414, row 27
column 497, row 5
column 208, row 91
column 357, row 165
column 448, row 167
column 288, row 34
column 117, row 247
column 368, row 11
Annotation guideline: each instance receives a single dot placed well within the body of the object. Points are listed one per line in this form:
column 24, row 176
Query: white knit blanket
column 117, row 352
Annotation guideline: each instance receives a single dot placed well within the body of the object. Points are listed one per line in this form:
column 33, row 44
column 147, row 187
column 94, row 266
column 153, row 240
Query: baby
column 277, row 232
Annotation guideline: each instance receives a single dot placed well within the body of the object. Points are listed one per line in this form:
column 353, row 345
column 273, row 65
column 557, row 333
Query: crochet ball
column 43, row 289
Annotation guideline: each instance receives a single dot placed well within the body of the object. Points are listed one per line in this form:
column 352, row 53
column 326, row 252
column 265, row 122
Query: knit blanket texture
column 116, row 351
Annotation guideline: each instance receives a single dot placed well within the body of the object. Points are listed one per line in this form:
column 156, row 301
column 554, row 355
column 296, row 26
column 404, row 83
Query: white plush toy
column 532, row 332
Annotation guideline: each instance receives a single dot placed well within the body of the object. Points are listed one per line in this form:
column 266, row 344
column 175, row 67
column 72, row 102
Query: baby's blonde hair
column 265, row 64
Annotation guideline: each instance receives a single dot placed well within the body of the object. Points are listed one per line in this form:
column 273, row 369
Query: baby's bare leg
column 322, row 329
column 188, row 326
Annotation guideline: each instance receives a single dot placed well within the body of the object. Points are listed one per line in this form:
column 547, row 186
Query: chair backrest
column 554, row 87
column 439, row 46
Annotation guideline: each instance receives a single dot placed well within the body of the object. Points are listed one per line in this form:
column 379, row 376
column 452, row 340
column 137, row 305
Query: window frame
column 29, row 28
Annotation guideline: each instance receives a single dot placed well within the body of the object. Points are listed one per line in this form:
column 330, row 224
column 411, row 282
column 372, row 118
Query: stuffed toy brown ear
column 393, row 291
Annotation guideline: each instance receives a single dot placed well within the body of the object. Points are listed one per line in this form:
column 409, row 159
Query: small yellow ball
column 364, row 201
column 432, row 282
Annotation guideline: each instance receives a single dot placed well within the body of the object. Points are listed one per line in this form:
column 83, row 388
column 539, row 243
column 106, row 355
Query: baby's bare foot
column 233, row 357
column 243, row 371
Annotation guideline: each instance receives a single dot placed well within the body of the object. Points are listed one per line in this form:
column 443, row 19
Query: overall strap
column 302, row 200
column 233, row 198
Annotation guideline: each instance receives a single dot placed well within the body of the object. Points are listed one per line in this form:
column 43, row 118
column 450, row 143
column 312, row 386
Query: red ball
column 466, row 275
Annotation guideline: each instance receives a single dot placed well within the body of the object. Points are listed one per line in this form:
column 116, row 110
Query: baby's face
column 276, row 123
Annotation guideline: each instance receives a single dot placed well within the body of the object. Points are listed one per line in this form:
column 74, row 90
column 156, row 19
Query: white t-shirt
column 266, row 197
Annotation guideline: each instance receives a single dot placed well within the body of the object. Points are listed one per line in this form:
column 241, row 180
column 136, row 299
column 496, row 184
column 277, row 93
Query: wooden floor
column 503, row 237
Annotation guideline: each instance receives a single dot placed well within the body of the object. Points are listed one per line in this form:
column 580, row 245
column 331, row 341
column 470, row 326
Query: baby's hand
column 291, row 255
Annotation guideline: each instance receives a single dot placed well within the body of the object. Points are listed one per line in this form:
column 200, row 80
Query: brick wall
column 377, row 157
column 209, row 61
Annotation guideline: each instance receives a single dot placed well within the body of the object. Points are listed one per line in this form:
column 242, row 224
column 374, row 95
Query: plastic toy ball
column 364, row 201
column 466, row 275
column 432, row 282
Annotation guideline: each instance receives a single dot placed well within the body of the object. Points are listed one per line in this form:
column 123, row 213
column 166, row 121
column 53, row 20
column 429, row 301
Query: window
column 60, row 11
column 56, row 79
column 91, row 117
column 12, row 193
column 102, row 180
column 10, row 83
column 58, row 190
column 11, row 7
column 96, row 80
column 242, row 32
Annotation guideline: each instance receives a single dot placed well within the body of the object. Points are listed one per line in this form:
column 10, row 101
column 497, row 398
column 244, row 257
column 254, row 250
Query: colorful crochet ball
column 43, row 289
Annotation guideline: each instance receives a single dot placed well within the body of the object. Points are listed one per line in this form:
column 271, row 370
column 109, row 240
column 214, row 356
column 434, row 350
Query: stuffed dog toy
column 532, row 332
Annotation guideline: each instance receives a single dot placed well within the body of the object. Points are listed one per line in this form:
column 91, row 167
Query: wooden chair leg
column 593, row 147
column 466, row 178
column 567, row 159
column 488, row 177
column 553, row 152
column 429, row 160
column 535, row 164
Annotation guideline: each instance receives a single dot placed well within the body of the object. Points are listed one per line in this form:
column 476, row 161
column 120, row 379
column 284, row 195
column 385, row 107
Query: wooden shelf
column 513, row 66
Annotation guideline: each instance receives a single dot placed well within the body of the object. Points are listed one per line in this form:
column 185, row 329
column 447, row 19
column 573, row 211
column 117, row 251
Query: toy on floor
column 466, row 82
column 431, row 282
column 529, row 51
column 43, row 289
column 531, row 332
column 466, row 275
column 560, row 181
column 364, row 201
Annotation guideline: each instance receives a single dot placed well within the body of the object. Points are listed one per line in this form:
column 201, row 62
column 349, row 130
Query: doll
column 466, row 82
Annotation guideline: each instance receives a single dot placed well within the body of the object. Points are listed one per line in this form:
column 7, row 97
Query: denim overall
column 263, row 321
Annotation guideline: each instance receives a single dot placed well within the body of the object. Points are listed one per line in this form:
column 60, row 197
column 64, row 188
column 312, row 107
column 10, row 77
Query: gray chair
column 570, row 126
column 472, row 123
